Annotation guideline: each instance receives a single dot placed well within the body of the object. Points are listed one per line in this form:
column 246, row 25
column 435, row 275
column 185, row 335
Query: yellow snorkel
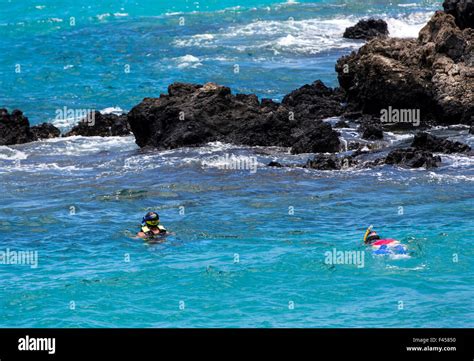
column 367, row 232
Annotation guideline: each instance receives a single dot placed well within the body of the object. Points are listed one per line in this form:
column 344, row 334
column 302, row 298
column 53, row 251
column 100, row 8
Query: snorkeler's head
column 372, row 236
column 151, row 219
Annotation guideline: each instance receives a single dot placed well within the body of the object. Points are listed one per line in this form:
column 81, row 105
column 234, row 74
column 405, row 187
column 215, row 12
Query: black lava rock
column 103, row 125
column 45, row 131
column 15, row 128
column 367, row 29
column 462, row 10
column 413, row 158
column 428, row 142
column 193, row 115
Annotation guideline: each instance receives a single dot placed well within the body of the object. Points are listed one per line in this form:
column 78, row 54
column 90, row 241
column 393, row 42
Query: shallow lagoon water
column 246, row 247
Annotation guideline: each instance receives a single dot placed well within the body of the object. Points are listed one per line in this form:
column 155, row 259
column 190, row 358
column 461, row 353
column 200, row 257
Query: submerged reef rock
column 428, row 142
column 412, row 158
column 329, row 162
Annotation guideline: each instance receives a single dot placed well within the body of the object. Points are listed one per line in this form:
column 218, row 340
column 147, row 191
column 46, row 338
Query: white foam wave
column 408, row 5
column 103, row 16
column 174, row 13
column 457, row 160
column 419, row 175
column 407, row 26
column 416, row 268
column 303, row 36
column 79, row 145
column 203, row 36
column 219, row 58
column 8, row 153
column 448, row 178
column 310, row 36
column 199, row 40
column 215, row 147
column 399, row 256
column 41, row 167
column 397, row 137
column 212, row 155
column 141, row 162
column 188, row 61
column 112, row 110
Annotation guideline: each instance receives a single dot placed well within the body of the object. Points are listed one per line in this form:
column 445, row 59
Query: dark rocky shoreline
column 430, row 79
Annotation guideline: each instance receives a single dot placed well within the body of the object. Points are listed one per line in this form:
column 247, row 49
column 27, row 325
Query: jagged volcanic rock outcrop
column 193, row 115
column 370, row 128
column 412, row 158
column 434, row 73
column 103, row 125
column 15, row 128
column 462, row 10
column 431, row 143
column 45, row 131
column 329, row 162
column 367, row 29
column 315, row 101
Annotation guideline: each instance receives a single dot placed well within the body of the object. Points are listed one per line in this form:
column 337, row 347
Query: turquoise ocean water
column 248, row 248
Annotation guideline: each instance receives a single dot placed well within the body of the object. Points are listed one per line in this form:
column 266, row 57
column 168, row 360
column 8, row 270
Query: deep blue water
column 246, row 245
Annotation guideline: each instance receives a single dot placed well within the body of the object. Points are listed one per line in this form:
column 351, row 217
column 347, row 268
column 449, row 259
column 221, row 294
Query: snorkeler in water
column 151, row 226
column 383, row 246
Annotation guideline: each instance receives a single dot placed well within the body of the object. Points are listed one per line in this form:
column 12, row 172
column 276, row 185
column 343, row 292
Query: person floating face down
column 151, row 226
column 370, row 236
